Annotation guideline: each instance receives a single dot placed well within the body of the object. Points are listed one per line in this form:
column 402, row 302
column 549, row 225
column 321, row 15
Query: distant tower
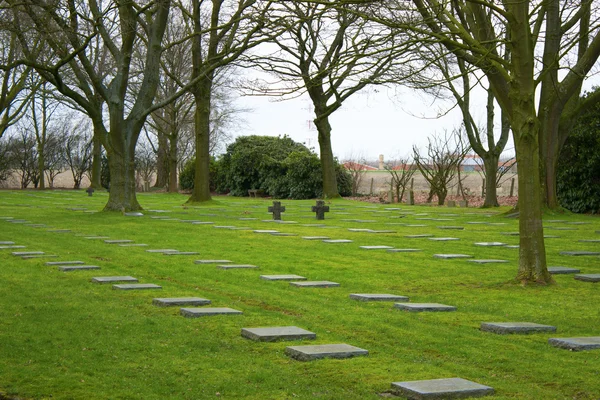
column 381, row 161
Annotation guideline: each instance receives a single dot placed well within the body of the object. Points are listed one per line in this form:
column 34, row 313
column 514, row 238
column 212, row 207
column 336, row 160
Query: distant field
column 64, row 337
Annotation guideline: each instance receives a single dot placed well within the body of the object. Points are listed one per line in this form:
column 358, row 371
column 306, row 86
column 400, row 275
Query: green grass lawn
column 63, row 337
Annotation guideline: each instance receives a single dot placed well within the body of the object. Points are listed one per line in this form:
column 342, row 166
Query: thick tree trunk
column 202, row 97
column 162, row 162
column 330, row 189
column 491, row 170
column 96, row 181
column 173, row 183
column 121, row 164
column 442, row 196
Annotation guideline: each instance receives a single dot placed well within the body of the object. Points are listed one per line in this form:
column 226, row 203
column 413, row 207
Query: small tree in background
column 356, row 167
column 23, row 155
column 78, row 154
column 145, row 162
column 441, row 164
column 401, row 172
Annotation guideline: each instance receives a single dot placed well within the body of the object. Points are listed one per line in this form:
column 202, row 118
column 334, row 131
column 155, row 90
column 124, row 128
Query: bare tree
column 145, row 162
column 78, row 149
column 54, row 162
column 401, row 172
column 445, row 154
column 329, row 53
column 6, row 164
column 23, row 154
column 356, row 165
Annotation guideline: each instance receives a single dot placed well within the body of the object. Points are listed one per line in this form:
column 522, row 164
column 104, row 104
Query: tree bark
column 162, row 162
column 96, row 181
column 121, row 164
column 173, row 183
column 490, row 163
column 202, row 97
column 41, row 167
column 330, row 189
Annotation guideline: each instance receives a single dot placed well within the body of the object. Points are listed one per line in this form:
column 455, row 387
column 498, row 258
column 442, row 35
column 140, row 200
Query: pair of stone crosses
column 276, row 209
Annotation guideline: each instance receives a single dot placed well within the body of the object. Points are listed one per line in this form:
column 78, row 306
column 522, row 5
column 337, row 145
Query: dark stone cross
column 90, row 191
column 276, row 209
column 320, row 209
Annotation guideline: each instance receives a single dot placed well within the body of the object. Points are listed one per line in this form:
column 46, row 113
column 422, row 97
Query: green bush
column 578, row 172
column 188, row 174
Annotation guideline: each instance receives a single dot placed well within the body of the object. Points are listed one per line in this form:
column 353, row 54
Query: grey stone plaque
column 180, row 301
column 419, row 307
column 308, row 353
column 376, row 247
column 337, row 241
column 133, row 214
column 27, row 253
column 272, row 334
column 5, row 243
column 211, row 261
column 580, row 253
column 38, row 256
column 160, row 250
column 118, row 241
column 207, row 312
column 380, row 231
column 180, row 253
column 59, row 230
column 403, row 250
column 451, row 256
column 450, row 388
column 452, row 227
column 377, row 297
column 237, row 266
column 425, row 235
column 136, row 286
column 563, row 270
column 315, row 284
column 283, row 234
column 358, row 230
column 113, row 279
column 67, row 268
column 65, row 263
column 576, row 343
column 490, row 244
column 283, row 277
column 203, row 223
column 315, row 237
column 515, row 327
column 487, row 261
column 12, row 246
column 96, row 237
column 133, row 245
column 444, row 239
column 588, row 277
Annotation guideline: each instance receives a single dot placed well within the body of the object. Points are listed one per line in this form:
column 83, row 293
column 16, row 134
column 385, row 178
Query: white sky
column 369, row 123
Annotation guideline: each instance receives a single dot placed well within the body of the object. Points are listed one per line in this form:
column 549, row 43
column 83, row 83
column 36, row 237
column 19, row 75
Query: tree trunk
column 162, row 163
column 202, row 97
column 173, row 183
column 96, row 174
column 490, row 164
column 442, row 193
column 330, row 189
column 41, row 167
column 121, row 164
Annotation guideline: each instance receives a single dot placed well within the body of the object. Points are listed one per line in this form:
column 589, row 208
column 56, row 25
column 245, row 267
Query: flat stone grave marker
column 272, row 334
column 36, row 225
column 113, row 279
column 265, row 231
column 444, row 239
column 424, row 235
column 314, row 225
column 576, row 343
column 27, row 253
column 38, row 256
column 515, row 327
column 6, row 218
column 477, row 222
column 449, row 388
column 403, row 250
column 18, row 221
column 59, row 230
column 376, row 247
column 237, row 266
column 416, row 226
column 224, row 226
column 180, row 301
column 589, row 240
column 337, row 241
column 451, row 256
column 211, row 261
column 282, row 222
column 283, row 277
column 133, row 245
column 578, row 223
column 203, row 223
column 283, row 234
column 489, row 244
column 563, row 270
column 12, row 246
column 460, row 228
column 69, row 268
column 497, row 223
column 315, row 237
column 276, row 209
column 420, row 307
column 377, row 297
column 309, row 353
column 557, row 221
column 359, row 230
column 159, row 250
column 380, row 231
column 560, row 228
column 579, row 253
column 180, row 253
column 487, row 261
column 136, row 286
column 320, row 209
column 551, row 237
column 118, row 241
column 207, row 312
column 133, row 214
column 315, row 284
column 6, row 243
column 96, row 237
column 588, row 277
column 512, row 246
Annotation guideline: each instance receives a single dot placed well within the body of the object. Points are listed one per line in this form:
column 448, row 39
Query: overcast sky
column 369, row 123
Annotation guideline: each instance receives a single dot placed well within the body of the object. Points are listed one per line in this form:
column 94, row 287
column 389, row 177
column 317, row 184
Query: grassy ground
column 63, row 337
